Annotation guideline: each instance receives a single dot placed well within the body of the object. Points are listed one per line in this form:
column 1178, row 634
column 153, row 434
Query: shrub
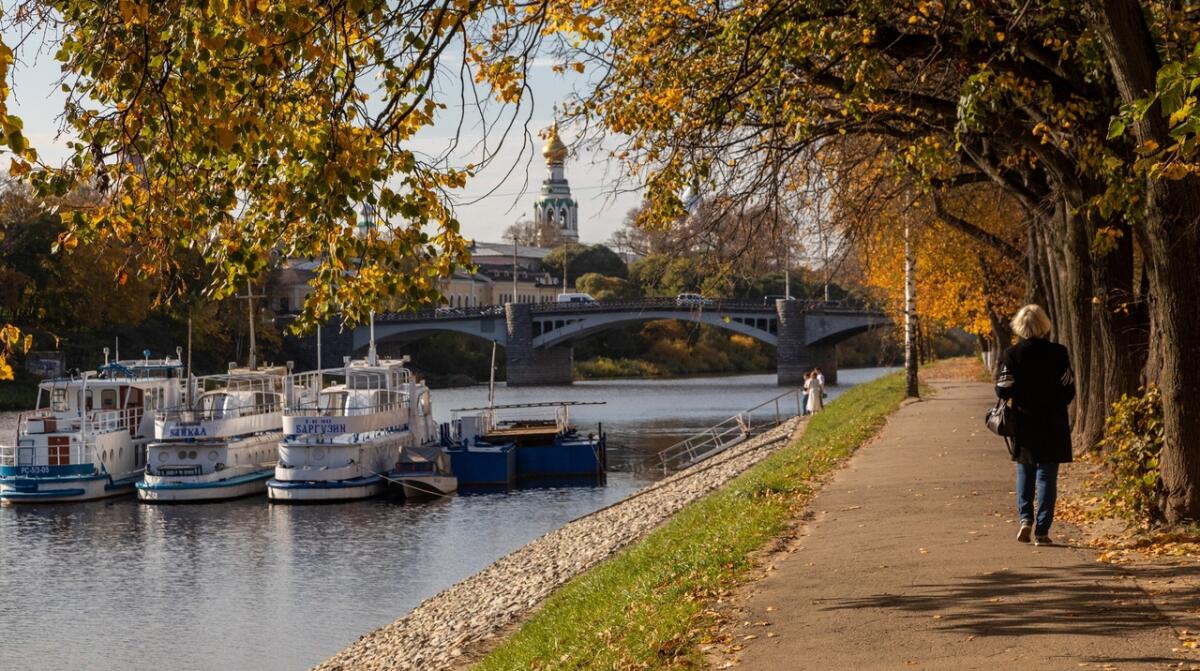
column 1133, row 437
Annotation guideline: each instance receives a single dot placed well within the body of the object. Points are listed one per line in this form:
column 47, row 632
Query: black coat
column 1036, row 375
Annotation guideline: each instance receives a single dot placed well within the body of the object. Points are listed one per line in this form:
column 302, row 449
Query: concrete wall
column 792, row 358
column 526, row 365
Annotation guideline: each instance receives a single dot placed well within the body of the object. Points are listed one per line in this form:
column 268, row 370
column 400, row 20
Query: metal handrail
column 727, row 433
column 714, row 304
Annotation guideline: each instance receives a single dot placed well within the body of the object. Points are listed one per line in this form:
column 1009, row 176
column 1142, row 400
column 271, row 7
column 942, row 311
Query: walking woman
column 1035, row 374
column 816, row 393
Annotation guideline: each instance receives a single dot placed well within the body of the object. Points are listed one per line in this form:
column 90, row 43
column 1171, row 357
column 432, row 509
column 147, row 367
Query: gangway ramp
column 725, row 434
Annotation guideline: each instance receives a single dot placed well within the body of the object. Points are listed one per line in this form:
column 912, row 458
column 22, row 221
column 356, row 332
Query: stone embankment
column 439, row 631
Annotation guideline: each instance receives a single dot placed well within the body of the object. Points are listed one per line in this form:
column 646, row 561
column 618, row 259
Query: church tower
column 554, row 204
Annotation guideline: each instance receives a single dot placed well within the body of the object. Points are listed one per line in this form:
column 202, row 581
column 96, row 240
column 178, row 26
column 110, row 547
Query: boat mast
column 253, row 358
column 371, row 358
column 187, row 387
column 491, row 390
column 492, row 381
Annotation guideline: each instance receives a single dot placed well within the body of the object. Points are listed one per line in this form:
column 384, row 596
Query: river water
column 247, row 585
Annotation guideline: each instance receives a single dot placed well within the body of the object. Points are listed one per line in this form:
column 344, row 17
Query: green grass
column 646, row 608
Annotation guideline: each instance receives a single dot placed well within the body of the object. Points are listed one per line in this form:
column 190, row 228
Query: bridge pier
column 792, row 358
column 526, row 365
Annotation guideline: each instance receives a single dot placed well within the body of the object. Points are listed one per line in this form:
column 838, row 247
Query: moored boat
column 497, row 444
column 424, row 471
column 224, row 443
column 86, row 439
column 342, row 444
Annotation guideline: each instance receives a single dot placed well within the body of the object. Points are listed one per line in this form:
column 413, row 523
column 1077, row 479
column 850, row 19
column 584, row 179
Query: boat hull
column 177, row 490
column 290, row 491
column 484, row 466
column 65, row 488
column 427, row 486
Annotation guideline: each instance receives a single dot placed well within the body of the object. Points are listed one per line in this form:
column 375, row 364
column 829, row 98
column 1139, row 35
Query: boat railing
column 79, row 453
column 496, row 415
column 725, row 434
column 107, row 421
column 310, row 410
column 188, row 415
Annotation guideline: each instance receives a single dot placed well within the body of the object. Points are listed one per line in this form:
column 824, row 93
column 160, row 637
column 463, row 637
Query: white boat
column 424, row 471
column 87, row 438
column 222, row 445
column 342, row 445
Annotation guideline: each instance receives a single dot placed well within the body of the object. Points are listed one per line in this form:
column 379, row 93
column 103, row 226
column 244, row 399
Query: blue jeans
column 1047, row 491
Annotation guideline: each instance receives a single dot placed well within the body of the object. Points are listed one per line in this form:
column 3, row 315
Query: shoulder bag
column 1002, row 421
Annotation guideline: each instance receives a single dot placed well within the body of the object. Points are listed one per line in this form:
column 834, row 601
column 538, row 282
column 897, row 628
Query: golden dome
column 554, row 151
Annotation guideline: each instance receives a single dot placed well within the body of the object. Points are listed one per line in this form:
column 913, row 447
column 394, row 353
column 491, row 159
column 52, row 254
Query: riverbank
column 589, row 614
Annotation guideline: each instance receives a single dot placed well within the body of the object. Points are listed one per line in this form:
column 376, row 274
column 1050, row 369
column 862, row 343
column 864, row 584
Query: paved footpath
column 911, row 562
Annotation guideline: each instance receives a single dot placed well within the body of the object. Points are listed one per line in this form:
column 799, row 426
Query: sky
column 491, row 202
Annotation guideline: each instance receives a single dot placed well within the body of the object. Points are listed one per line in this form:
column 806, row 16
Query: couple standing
column 814, row 391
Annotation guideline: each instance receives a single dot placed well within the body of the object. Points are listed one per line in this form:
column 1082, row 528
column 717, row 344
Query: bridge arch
column 408, row 331
column 554, row 331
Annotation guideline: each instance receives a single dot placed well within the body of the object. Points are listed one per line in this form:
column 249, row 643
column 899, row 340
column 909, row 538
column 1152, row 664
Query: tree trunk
column 911, row 388
column 1173, row 259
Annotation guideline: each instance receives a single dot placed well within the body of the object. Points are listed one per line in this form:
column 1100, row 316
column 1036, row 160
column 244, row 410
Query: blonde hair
column 1031, row 322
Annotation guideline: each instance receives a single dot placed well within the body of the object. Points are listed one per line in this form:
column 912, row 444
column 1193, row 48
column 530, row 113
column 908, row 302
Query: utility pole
column 514, row 293
column 910, row 318
column 566, row 248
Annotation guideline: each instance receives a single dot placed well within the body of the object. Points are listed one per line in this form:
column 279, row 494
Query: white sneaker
column 1025, row 532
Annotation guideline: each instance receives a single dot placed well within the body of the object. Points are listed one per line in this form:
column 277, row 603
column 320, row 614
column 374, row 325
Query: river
column 248, row 585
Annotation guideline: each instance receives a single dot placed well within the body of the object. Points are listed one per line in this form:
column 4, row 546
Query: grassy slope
column 645, row 608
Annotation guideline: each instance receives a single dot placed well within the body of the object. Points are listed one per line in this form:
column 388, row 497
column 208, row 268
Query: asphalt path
column 910, row 561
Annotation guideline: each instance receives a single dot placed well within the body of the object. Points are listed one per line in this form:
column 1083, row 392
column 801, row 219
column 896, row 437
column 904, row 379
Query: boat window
column 87, row 400
column 364, row 381
column 58, row 400
column 360, row 404
column 212, row 406
column 333, row 403
column 108, row 399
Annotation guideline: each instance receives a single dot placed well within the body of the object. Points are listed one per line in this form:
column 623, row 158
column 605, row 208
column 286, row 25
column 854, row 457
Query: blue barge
column 501, row 445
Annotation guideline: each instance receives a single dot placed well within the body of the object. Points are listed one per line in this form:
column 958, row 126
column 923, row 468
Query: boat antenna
column 117, row 353
column 105, row 356
column 371, row 358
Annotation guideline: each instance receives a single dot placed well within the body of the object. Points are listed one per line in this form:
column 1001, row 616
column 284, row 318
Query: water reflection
column 243, row 584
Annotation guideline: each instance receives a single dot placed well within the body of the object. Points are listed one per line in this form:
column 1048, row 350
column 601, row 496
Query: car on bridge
column 693, row 301
column 576, row 298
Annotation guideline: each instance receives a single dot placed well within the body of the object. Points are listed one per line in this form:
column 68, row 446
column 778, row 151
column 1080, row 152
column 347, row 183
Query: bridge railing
column 665, row 303
column 724, row 435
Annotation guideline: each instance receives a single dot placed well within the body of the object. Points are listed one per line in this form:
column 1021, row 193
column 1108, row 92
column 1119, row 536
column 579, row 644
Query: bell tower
column 554, row 204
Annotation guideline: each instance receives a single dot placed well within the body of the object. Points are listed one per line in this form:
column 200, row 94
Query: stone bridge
column 538, row 338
